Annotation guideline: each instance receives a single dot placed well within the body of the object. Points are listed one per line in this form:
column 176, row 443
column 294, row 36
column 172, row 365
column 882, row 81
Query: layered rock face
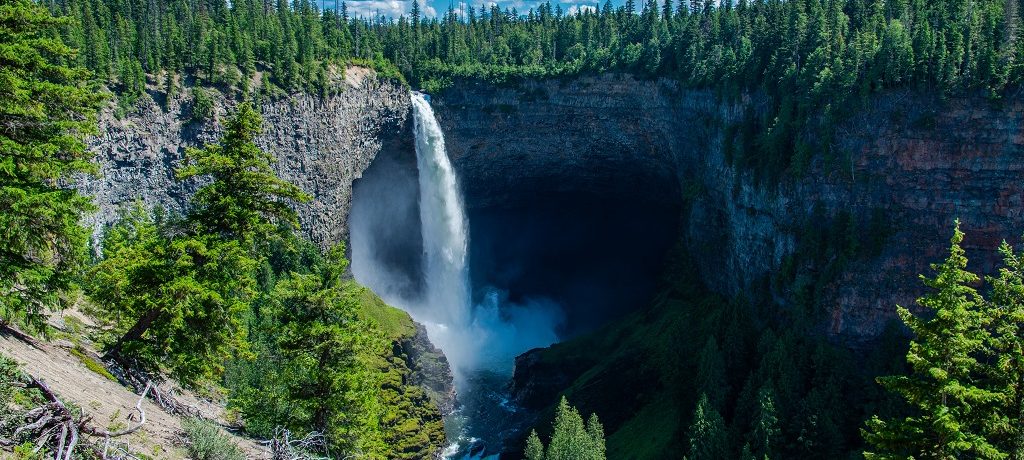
column 920, row 161
column 321, row 144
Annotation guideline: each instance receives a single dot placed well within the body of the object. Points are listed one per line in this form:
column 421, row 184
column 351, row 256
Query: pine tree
column 707, row 433
column 246, row 198
column 46, row 111
column 572, row 439
column 174, row 301
column 949, row 417
column 596, row 432
column 764, row 433
column 321, row 337
column 1005, row 373
column 534, row 448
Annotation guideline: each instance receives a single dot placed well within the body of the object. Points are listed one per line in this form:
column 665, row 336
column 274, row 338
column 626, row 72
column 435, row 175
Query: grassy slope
column 394, row 323
column 413, row 424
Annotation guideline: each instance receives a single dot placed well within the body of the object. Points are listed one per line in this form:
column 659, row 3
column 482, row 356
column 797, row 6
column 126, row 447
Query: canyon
column 621, row 169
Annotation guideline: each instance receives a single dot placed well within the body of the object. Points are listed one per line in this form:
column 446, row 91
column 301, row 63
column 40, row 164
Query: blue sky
column 431, row 8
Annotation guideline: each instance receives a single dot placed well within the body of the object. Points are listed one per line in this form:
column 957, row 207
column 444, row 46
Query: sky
column 431, row 8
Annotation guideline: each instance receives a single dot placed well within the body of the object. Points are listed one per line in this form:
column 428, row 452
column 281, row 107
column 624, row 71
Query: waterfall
column 444, row 227
column 479, row 341
column 445, row 309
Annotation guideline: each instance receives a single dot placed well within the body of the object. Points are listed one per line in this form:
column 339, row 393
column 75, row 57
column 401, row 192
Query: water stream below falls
column 479, row 339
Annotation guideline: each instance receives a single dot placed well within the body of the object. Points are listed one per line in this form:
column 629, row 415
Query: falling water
column 446, row 307
column 479, row 341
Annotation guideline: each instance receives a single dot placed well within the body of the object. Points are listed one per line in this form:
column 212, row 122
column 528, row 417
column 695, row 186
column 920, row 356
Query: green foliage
column 202, row 104
column 572, row 439
column 246, row 198
column 967, row 372
column 707, row 433
column 1005, row 370
column 812, row 60
column 46, row 111
column 534, row 447
column 207, row 442
column 786, row 391
column 173, row 299
column 321, row 362
column 950, row 419
column 11, row 381
column 27, row 451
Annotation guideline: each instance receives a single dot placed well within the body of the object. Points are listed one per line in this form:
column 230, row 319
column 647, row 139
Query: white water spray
column 485, row 337
column 479, row 341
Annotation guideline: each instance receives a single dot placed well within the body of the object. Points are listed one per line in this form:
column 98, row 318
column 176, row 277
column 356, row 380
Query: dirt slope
column 108, row 402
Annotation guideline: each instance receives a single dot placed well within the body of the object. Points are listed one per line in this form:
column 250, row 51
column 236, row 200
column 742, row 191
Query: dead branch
column 130, row 376
column 283, row 447
column 43, row 421
column 130, row 429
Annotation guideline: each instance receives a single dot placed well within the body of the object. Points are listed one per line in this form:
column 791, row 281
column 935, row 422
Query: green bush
column 202, row 105
column 207, row 442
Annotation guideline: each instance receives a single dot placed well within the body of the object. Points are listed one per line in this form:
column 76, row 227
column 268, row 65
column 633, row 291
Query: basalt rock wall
column 322, row 144
column 916, row 159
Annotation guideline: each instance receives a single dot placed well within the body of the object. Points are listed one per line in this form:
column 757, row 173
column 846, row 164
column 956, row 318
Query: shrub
column 207, row 442
column 202, row 105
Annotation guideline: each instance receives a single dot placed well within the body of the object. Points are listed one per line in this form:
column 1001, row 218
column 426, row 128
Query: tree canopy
column 46, row 111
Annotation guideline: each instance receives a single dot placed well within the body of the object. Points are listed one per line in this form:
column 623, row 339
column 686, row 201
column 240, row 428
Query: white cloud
column 388, row 8
column 574, row 9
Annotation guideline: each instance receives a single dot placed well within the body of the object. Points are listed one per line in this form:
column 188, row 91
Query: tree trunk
column 135, row 333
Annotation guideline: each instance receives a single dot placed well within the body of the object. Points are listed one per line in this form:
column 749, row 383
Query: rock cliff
column 920, row 161
column 321, row 144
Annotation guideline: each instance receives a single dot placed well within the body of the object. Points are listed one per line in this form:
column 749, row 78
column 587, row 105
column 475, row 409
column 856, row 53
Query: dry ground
column 108, row 402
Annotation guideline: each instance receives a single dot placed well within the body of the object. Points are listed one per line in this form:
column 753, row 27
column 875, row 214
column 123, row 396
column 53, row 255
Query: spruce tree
column 949, row 419
column 534, row 447
column 1005, row 369
column 198, row 277
column 174, row 300
column 764, row 434
column 572, row 439
column 46, row 111
column 596, row 432
column 707, row 433
column 246, row 198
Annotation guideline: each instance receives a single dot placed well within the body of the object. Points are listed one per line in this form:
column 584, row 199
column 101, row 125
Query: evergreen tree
column 707, row 433
column 765, row 432
column 46, row 111
column 321, row 339
column 246, row 198
column 949, row 420
column 596, row 432
column 534, row 448
column 174, row 301
column 572, row 439
column 200, row 279
column 1005, row 370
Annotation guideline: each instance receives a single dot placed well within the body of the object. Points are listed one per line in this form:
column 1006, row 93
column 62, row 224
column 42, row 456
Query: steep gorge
column 619, row 170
